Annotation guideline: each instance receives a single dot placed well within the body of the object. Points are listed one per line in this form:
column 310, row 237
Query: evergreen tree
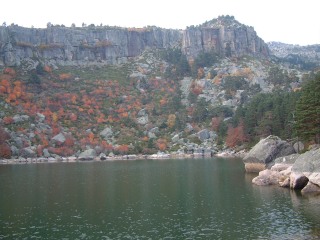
column 307, row 118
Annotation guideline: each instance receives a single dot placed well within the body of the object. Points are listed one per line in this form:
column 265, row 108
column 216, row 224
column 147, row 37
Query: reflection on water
column 170, row 199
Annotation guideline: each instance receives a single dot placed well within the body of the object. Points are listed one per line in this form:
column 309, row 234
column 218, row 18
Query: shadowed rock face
column 112, row 45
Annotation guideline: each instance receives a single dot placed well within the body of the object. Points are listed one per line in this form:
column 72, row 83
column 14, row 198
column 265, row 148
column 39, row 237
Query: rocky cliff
column 112, row 45
column 226, row 36
column 69, row 46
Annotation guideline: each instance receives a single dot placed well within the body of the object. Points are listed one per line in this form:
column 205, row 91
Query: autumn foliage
column 235, row 135
column 162, row 144
column 5, row 151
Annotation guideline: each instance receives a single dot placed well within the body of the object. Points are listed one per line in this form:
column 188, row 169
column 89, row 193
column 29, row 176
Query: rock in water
column 308, row 165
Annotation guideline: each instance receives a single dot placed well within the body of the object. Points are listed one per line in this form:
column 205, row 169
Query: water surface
column 148, row 199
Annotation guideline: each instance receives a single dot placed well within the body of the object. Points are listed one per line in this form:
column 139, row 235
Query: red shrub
column 5, row 151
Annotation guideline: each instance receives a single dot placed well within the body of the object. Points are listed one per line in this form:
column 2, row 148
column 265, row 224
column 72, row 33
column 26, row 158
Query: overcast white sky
column 288, row 21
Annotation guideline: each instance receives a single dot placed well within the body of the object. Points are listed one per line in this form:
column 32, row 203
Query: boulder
column 308, row 164
column 279, row 167
column 151, row 135
column 106, row 133
column 283, row 163
column 18, row 142
column 14, row 150
column 41, row 117
column 59, row 138
column 102, row 156
column 310, row 188
column 203, row 135
column 189, row 127
column 142, row 113
column 315, row 178
column 263, row 154
column 46, row 153
column 27, row 153
column 298, row 181
column 20, row 118
column 143, row 120
column 290, row 159
column 154, row 130
column 298, row 146
column 267, row 177
column 88, row 154
column 285, row 183
column 175, row 138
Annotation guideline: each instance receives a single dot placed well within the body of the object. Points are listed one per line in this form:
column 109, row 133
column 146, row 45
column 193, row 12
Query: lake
column 149, row 199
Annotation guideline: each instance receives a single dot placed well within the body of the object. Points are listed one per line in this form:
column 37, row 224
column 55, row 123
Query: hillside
column 161, row 90
column 305, row 57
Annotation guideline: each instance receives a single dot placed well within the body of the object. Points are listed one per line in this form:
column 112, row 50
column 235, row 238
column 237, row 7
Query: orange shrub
column 64, row 76
column 123, row 148
column 7, row 120
column 162, row 144
column 9, row 71
column 47, row 69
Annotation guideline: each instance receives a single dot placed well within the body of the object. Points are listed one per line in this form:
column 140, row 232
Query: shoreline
column 162, row 156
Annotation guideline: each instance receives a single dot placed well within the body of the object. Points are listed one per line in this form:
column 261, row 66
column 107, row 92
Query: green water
column 147, row 199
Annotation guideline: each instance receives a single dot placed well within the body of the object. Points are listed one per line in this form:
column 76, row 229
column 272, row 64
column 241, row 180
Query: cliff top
column 223, row 21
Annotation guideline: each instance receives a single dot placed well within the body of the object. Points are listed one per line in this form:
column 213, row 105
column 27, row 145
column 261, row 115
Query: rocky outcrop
column 59, row 139
column 298, row 181
column 111, row 45
column 72, row 46
column 88, row 155
column 225, row 36
column 106, row 133
column 308, row 164
column 263, row 154
column 267, row 177
column 295, row 54
column 299, row 172
column 143, row 117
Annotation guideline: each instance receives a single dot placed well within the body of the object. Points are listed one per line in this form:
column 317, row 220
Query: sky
column 287, row 21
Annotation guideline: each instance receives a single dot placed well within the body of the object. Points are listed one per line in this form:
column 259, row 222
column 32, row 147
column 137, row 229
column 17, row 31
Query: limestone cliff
column 226, row 36
column 112, row 45
column 80, row 45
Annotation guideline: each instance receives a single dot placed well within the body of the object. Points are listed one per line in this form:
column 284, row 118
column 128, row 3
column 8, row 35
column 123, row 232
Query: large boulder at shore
column 88, row 155
column 308, row 164
column 298, row 181
column 283, row 163
column 27, row 153
column 263, row 154
column 267, row 177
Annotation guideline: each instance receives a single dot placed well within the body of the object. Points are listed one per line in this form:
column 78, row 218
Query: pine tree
column 307, row 117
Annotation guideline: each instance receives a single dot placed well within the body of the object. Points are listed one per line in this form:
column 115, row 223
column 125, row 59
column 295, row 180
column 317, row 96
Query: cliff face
column 73, row 46
column 225, row 36
column 80, row 45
